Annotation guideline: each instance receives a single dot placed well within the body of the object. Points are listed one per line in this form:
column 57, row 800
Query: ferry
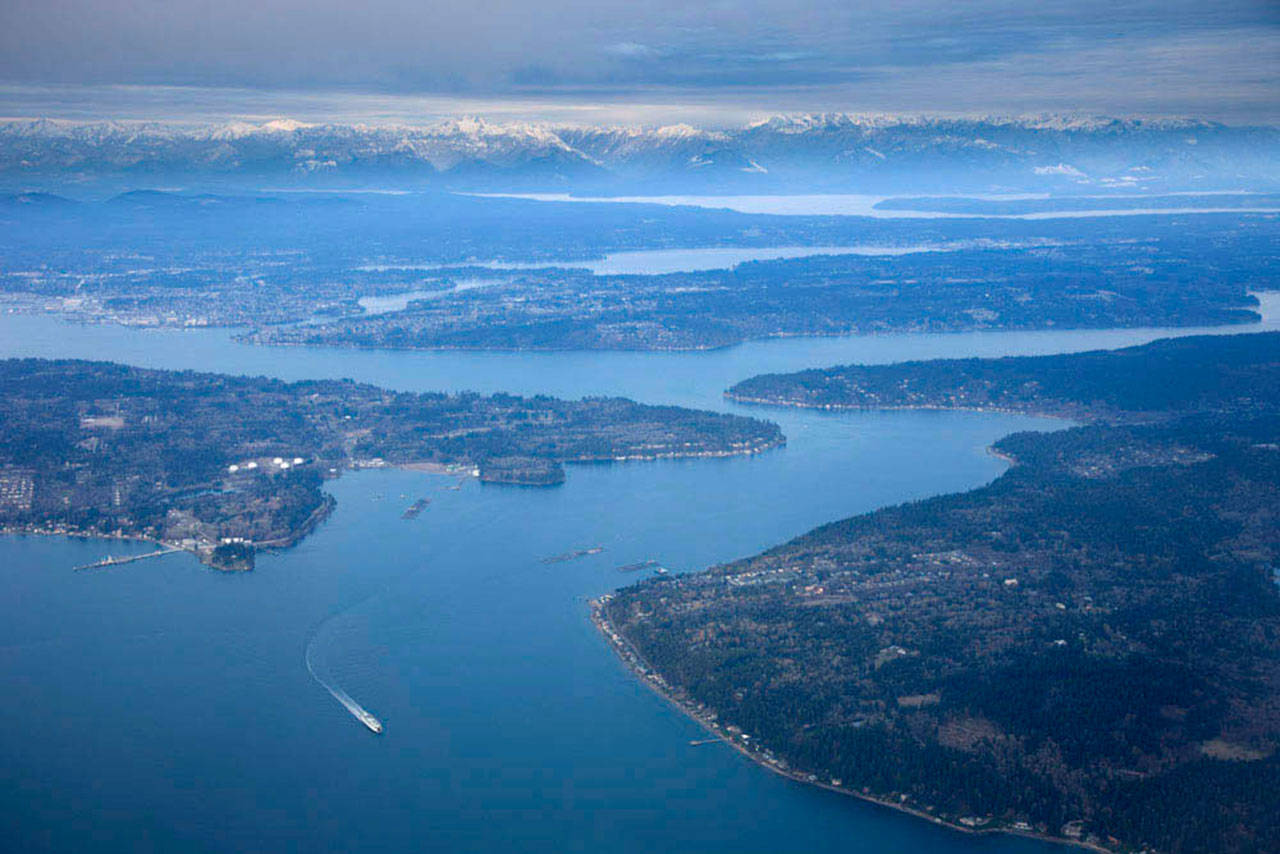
column 370, row 721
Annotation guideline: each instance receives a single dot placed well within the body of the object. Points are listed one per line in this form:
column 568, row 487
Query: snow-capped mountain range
column 808, row 153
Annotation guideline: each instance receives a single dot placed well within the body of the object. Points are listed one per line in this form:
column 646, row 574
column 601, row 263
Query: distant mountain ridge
column 830, row 152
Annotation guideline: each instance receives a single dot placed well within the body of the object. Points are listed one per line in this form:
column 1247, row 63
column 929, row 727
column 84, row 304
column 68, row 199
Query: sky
column 636, row 60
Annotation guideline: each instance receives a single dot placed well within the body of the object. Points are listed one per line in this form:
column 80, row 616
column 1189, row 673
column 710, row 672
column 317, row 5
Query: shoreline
column 1172, row 329
column 246, row 334
column 747, row 450
column 469, row 470
column 70, row 533
column 1072, row 418
column 649, row 676
column 321, row 513
column 317, row 517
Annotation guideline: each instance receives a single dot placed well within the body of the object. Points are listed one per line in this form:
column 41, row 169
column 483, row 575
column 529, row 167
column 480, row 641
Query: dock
column 111, row 560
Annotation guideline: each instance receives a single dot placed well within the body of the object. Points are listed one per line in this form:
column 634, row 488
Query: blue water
column 161, row 706
column 652, row 262
column 847, row 204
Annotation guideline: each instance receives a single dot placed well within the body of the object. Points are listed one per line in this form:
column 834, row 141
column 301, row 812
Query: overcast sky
column 647, row 60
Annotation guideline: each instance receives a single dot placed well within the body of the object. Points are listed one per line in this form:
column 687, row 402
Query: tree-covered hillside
column 1088, row 647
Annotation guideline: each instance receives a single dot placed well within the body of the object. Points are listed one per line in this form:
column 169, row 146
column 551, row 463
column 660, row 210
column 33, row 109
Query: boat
column 370, row 721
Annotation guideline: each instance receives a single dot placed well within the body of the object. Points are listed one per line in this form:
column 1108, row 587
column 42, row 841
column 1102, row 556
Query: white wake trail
column 357, row 711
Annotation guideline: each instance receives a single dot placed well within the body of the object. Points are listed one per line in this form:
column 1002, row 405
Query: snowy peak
column 1066, row 123
column 240, row 130
column 816, row 152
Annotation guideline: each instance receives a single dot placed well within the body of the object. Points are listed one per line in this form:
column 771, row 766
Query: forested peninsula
column 223, row 465
column 1086, row 649
column 1158, row 380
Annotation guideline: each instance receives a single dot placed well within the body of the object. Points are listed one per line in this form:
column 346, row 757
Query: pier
column 111, row 560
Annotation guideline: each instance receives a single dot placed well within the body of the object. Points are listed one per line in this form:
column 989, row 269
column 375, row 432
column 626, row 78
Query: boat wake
column 465, row 525
column 357, row 711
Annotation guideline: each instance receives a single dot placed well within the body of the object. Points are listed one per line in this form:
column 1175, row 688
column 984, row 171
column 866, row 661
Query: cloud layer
column 1169, row 56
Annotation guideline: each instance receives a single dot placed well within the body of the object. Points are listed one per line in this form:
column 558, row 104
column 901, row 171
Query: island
column 450, row 272
column 1086, row 282
column 1087, row 649
column 224, row 466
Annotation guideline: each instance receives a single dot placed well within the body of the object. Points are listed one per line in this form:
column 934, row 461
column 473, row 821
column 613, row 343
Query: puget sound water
column 162, row 706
